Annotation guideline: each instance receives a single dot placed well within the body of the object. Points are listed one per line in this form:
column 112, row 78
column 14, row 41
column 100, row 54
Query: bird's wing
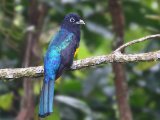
column 67, row 55
column 52, row 59
column 65, row 44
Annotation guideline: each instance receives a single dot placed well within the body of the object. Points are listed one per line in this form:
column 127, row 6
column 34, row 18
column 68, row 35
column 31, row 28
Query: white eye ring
column 72, row 20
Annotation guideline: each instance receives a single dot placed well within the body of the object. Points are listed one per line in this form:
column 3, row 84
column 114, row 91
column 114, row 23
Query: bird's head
column 72, row 21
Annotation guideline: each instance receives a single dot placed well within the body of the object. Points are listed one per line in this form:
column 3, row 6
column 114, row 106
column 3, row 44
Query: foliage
column 93, row 88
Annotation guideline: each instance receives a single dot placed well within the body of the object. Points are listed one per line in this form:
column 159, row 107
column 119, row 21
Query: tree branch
column 12, row 73
column 119, row 49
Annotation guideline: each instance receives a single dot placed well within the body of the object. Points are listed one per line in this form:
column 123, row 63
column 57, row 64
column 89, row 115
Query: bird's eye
column 72, row 19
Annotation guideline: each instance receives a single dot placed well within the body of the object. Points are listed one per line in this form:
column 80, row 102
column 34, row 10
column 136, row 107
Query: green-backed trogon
column 59, row 57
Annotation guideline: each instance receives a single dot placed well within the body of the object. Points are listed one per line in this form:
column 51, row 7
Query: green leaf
column 73, row 102
column 6, row 101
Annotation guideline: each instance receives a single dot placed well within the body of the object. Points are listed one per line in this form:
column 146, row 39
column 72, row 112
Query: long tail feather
column 46, row 98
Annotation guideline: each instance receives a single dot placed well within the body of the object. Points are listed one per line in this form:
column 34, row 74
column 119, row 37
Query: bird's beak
column 80, row 22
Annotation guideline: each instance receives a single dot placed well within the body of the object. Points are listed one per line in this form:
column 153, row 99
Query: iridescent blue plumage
column 59, row 56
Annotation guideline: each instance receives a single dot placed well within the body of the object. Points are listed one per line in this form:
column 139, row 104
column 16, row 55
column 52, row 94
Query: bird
column 59, row 57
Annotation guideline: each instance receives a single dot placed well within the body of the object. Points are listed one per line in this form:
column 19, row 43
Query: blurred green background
column 87, row 94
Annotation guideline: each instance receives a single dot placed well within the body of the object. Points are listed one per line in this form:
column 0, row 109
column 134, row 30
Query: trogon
column 59, row 56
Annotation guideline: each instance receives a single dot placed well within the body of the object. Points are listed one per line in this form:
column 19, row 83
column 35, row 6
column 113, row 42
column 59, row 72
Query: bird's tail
column 46, row 98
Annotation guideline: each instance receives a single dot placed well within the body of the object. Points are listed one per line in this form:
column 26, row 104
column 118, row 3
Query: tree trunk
column 118, row 68
column 36, row 13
